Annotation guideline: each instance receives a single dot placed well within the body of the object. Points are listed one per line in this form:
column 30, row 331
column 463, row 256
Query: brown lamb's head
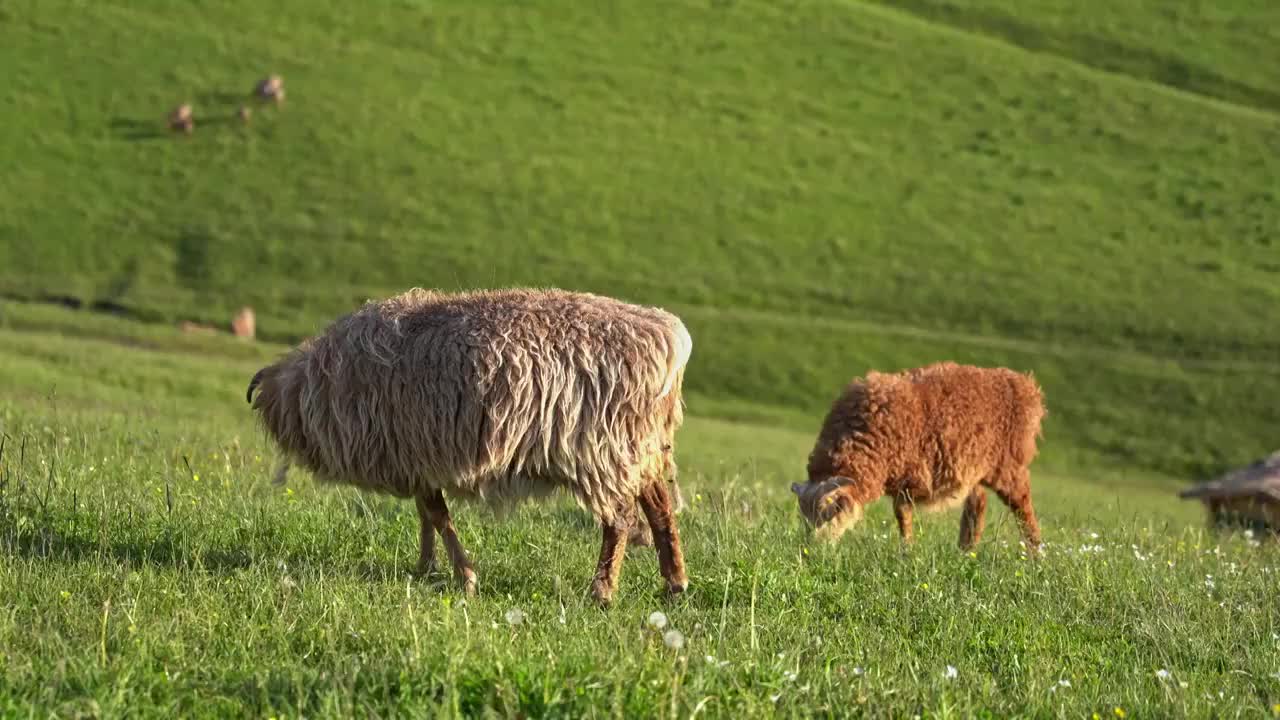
column 830, row 506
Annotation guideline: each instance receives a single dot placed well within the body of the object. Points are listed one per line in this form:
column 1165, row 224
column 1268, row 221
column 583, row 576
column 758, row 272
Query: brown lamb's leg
column 902, row 509
column 974, row 518
column 439, row 514
column 613, row 550
column 426, row 539
column 1014, row 489
column 656, row 503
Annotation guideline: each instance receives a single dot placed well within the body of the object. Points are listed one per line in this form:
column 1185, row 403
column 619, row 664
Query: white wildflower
column 791, row 675
column 1163, row 674
column 514, row 616
column 774, row 698
column 657, row 620
column 950, row 673
column 857, row 671
column 674, row 639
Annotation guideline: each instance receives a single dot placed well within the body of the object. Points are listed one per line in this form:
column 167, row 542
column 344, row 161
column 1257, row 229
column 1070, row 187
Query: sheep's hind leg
column 426, row 539
column 974, row 518
column 439, row 514
column 1014, row 490
column 656, row 503
column 613, row 550
column 641, row 533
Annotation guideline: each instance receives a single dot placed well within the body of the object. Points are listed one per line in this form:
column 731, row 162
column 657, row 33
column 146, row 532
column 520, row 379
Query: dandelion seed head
column 514, row 616
column 657, row 620
column 674, row 639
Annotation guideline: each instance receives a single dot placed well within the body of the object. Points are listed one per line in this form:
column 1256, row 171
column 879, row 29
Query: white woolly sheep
column 496, row 396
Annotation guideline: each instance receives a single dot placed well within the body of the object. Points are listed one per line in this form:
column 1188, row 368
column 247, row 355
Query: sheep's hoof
column 425, row 570
column 675, row 587
column 602, row 593
column 470, row 582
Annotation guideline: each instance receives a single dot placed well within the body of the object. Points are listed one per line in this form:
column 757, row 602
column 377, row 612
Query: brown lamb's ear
column 831, row 502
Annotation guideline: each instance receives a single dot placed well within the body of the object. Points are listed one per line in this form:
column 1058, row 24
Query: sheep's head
column 830, row 506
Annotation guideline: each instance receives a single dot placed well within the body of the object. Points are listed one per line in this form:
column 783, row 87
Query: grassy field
column 148, row 567
column 1084, row 190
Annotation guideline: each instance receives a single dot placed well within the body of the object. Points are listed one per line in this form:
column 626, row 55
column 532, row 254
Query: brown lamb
column 494, row 396
column 930, row 437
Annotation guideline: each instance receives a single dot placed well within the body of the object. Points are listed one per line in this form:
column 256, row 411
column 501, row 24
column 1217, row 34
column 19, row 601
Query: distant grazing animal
column 181, row 119
column 493, row 395
column 270, row 88
column 931, row 437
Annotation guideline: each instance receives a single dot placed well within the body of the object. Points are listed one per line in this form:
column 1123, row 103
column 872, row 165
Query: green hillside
column 817, row 187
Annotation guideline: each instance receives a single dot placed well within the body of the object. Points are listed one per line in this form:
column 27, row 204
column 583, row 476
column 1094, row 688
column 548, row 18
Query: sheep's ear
column 835, row 482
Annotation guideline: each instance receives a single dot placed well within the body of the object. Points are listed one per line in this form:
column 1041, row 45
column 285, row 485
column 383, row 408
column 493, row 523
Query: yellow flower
column 65, row 595
column 1275, row 709
column 196, row 477
column 288, row 491
column 924, row 586
column 804, row 551
column 1096, row 716
column 973, row 555
column 1120, row 712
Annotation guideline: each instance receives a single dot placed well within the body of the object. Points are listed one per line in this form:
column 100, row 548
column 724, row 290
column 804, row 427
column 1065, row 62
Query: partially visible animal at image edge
column 931, row 437
column 494, row 396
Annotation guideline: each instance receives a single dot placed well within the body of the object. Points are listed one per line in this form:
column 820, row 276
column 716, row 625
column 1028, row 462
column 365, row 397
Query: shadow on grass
column 135, row 130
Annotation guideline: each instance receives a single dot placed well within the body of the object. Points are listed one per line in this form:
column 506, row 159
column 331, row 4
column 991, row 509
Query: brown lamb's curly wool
column 929, row 437
column 496, row 396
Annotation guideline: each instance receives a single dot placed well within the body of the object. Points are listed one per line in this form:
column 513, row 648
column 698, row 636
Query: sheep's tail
column 253, row 385
column 679, row 350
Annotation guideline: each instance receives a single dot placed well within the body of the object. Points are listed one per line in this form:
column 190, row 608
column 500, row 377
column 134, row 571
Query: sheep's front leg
column 902, row 509
column 439, row 514
column 656, row 503
column 613, row 550
column 974, row 518
column 426, row 539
